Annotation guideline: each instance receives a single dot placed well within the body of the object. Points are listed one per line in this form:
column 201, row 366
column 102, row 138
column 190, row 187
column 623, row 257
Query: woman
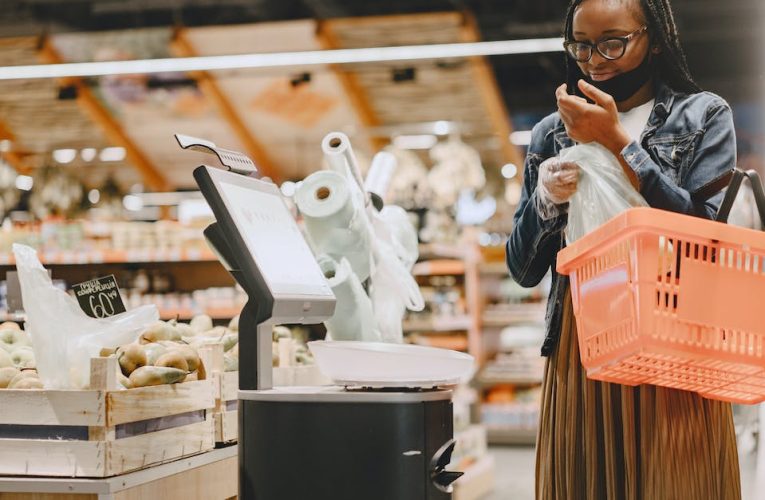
column 629, row 89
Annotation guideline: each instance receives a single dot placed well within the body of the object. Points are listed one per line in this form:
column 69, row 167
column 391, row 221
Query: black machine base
column 336, row 448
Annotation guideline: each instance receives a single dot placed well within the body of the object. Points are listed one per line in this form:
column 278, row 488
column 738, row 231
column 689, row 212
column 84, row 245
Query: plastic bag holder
column 260, row 312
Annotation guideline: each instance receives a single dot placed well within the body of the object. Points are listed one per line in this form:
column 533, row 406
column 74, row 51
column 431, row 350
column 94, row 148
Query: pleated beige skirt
column 606, row 441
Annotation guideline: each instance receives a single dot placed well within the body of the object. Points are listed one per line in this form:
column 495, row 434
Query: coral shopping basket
column 673, row 300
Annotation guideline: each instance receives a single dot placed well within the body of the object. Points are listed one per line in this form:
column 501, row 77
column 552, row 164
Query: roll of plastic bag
column 402, row 232
column 64, row 338
column 603, row 191
column 335, row 220
column 353, row 318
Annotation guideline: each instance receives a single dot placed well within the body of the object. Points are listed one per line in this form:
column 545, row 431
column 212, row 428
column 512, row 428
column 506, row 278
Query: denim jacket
column 683, row 160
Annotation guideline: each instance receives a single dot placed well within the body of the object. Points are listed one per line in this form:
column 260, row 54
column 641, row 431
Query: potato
column 23, row 357
column 185, row 330
column 131, row 357
column 124, row 381
column 160, row 331
column 27, row 383
column 10, row 340
column 173, row 359
column 233, row 325
column 7, row 374
column 201, row 323
column 105, row 352
column 156, row 375
column 228, row 341
column 218, row 331
column 189, row 354
column 22, row 375
column 153, row 352
column 5, row 359
column 281, row 332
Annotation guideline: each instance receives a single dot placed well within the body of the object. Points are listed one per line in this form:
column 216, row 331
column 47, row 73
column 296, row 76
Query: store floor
column 514, row 474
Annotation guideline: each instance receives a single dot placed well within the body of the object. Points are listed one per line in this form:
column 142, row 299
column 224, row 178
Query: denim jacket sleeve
column 714, row 156
column 536, row 237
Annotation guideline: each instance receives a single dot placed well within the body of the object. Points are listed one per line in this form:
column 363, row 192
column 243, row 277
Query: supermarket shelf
column 187, row 315
column 453, row 342
column 493, row 268
column 511, row 435
column 164, row 314
column 439, row 267
column 117, row 257
column 439, row 251
column 515, row 315
column 443, row 324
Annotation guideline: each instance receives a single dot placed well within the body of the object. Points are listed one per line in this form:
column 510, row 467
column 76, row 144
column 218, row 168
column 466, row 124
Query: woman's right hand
column 557, row 181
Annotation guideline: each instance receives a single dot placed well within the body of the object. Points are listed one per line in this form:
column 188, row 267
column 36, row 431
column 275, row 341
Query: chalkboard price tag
column 100, row 297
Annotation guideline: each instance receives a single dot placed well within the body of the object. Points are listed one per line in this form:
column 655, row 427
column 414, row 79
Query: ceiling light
column 112, row 154
column 521, row 137
column 94, row 195
column 132, row 202
column 509, row 171
column 88, row 154
column 284, row 59
column 425, row 141
column 441, row 127
column 64, row 156
column 24, row 182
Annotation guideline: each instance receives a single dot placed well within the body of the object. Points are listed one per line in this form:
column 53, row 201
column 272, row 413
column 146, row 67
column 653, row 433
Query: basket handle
column 734, row 186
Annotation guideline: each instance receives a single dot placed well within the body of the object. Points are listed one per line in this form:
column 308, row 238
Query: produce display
column 165, row 353
column 168, row 352
column 17, row 359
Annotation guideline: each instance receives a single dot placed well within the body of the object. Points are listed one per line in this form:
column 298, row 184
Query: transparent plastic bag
column 603, row 190
column 64, row 338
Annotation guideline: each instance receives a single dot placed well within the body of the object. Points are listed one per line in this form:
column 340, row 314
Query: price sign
column 99, row 298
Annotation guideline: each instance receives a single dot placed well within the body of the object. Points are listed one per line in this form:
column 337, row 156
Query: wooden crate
column 226, row 386
column 103, row 431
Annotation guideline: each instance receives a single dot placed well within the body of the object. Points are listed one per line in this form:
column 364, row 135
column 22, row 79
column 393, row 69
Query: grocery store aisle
column 513, row 472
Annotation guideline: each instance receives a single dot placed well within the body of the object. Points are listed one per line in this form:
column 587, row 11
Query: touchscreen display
column 274, row 240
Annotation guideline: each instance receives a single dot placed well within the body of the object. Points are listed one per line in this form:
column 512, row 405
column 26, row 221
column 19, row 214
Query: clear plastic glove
column 556, row 184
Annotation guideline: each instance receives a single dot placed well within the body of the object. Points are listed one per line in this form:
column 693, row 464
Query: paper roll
column 339, row 154
column 336, row 225
column 353, row 318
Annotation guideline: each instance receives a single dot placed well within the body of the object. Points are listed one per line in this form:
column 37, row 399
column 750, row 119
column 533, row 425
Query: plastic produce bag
column 603, row 191
column 64, row 338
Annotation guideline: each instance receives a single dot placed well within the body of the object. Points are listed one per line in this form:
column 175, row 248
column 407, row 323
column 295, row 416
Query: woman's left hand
column 598, row 122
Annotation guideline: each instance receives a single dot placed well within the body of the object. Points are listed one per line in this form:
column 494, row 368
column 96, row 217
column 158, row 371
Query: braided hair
column 669, row 66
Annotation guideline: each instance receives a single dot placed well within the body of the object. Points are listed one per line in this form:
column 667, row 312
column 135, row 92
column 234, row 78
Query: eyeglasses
column 610, row 48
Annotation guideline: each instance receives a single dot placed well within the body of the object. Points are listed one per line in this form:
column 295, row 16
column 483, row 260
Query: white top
column 635, row 120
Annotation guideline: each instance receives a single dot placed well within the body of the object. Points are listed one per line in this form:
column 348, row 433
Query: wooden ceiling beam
column 357, row 95
column 111, row 128
column 14, row 158
column 491, row 95
column 181, row 46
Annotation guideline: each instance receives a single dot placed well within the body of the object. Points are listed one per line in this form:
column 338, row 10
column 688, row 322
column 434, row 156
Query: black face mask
column 623, row 86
